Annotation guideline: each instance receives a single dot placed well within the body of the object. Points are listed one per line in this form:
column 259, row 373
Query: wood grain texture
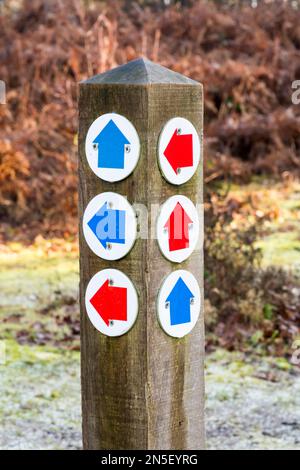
column 143, row 390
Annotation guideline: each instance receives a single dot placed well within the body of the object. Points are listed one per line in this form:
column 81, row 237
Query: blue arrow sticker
column 108, row 225
column 111, row 146
column 180, row 303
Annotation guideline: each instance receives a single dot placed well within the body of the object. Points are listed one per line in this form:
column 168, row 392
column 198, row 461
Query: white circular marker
column 178, row 150
column 177, row 228
column 111, row 302
column 179, row 303
column 112, row 147
column 109, row 226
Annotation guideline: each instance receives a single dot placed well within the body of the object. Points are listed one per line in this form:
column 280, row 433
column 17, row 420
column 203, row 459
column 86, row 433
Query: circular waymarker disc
column 112, row 147
column 177, row 228
column 109, row 226
column 179, row 303
column 178, row 150
column 111, row 302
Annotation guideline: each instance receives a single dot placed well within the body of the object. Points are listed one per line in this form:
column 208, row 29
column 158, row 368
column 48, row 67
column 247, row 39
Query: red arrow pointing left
column 177, row 226
column 179, row 151
column 110, row 302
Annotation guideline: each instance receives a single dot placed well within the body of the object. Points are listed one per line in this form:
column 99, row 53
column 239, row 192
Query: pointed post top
column 139, row 72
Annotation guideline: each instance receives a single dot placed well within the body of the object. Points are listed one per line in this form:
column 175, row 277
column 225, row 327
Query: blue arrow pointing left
column 108, row 225
column 180, row 303
column 111, row 146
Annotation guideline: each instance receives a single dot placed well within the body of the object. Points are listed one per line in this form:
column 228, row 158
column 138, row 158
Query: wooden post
column 145, row 389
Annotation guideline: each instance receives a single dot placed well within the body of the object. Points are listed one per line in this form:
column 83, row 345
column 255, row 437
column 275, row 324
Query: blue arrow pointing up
column 111, row 146
column 179, row 299
column 108, row 225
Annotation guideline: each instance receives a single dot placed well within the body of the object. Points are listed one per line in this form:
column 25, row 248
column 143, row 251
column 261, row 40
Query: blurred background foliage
column 247, row 55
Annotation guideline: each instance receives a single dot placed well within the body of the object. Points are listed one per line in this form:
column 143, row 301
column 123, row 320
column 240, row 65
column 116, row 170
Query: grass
column 277, row 204
column 40, row 400
column 38, row 284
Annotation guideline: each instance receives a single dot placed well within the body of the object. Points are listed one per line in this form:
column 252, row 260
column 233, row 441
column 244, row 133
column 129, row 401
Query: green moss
column 282, row 363
column 268, row 311
column 281, row 249
column 257, row 337
column 16, row 353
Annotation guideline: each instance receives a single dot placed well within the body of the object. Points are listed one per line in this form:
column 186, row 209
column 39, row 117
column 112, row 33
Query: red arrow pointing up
column 110, row 302
column 177, row 226
column 179, row 151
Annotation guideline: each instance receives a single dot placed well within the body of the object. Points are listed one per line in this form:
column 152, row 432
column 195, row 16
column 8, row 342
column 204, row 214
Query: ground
column 252, row 401
column 40, row 400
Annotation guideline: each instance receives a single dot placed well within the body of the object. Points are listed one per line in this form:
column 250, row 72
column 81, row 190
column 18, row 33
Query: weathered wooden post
column 143, row 389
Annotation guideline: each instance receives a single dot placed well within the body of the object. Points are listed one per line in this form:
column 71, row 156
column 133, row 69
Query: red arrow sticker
column 178, row 228
column 110, row 302
column 179, row 151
